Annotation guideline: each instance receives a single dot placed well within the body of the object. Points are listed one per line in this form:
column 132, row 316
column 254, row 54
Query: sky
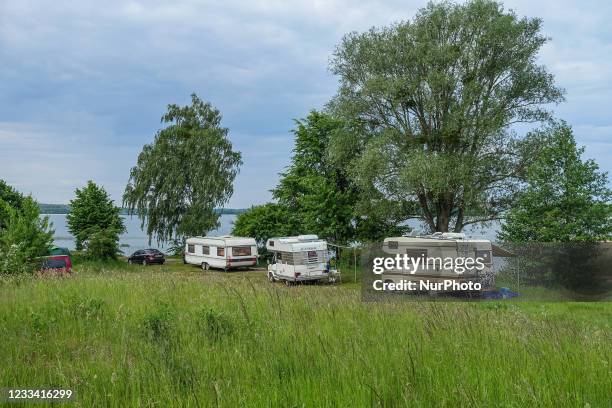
column 83, row 84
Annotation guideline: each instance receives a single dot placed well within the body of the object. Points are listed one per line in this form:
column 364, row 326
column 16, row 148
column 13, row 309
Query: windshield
column 53, row 264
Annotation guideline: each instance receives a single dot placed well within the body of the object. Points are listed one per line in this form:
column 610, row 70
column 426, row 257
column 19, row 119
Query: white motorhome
column 224, row 252
column 444, row 246
column 299, row 258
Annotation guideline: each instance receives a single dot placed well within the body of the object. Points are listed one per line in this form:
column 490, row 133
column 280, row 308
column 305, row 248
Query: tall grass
column 180, row 337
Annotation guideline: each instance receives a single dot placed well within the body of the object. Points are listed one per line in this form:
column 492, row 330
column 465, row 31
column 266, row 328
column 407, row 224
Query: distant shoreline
column 59, row 209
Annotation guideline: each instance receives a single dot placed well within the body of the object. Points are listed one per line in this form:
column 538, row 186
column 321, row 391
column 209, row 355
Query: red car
column 56, row 265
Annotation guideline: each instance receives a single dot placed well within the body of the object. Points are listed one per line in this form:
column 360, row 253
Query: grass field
column 176, row 336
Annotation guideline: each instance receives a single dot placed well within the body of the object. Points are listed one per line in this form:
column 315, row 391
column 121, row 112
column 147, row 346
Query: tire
column 271, row 277
column 129, row 261
column 205, row 266
column 144, row 262
column 288, row 283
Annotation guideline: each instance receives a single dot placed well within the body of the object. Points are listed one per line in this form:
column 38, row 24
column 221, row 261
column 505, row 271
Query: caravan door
column 281, row 265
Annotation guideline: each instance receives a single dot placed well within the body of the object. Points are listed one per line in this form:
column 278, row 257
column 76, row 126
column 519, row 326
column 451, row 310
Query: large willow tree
column 186, row 173
column 432, row 101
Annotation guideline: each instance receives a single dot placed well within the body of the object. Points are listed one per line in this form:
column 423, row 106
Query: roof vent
column 453, row 235
column 309, row 237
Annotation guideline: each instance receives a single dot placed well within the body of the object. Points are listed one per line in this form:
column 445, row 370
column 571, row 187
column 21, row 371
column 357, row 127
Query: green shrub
column 13, row 260
column 91, row 211
column 24, row 236
column 102, row 245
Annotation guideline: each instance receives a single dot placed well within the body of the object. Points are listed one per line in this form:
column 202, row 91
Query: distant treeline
column 65, row 209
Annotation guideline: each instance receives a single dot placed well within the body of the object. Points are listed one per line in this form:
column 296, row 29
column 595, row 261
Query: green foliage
column 317, row 193
column 13, row 260
column 11, row 197
column 566, row 199
column 23, row 234
column 184, row 174
column 103, row 245
column 92, row 211
column 429, row 104
column 264, row 221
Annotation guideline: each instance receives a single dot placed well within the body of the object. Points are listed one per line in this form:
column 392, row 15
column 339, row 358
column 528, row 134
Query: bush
column 567, row 198
column 102, row 245
column 91, row 211
column 24, row 236
column 13, row 261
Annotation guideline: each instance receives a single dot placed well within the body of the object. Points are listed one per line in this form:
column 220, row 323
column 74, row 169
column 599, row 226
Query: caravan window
column 312, row 257
column 191, row 248
column 241, row 251
column 392, row 244
column 220, row 251
column 205, row 250
column 485, row 255
column 285, row 257
column 416, row 253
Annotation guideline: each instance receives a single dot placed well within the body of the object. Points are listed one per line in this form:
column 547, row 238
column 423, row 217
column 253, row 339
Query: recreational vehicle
column 299, row 258
column 443, row 257
column 224, row 252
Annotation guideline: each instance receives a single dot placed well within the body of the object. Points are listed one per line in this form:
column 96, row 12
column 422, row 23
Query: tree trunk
column 443, row 220
column 459, row 222
column 444, row 209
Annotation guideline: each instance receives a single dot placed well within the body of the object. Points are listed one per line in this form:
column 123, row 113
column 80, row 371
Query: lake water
column 134, row 238
column 472, row 231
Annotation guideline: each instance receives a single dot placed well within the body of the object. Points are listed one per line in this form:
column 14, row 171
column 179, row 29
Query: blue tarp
column 503, row 293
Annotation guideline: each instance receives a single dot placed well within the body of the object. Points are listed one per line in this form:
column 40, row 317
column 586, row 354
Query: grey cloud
column 95, row 77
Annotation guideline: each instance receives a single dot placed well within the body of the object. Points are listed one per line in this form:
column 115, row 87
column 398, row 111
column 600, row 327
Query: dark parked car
column 147, row 257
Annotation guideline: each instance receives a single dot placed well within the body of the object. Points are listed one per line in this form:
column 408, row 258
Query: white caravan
column 441, row 246
column 224, row 252
column 300, row 258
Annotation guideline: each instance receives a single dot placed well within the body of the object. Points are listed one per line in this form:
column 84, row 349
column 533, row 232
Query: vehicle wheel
column 144, row 262
column 205, row 266
column 271, row 277
column 288, row 283
column 129, row 261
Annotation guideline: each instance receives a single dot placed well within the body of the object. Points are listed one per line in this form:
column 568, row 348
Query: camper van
column 224, row 252
column 445, row 246
column 299, row 258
